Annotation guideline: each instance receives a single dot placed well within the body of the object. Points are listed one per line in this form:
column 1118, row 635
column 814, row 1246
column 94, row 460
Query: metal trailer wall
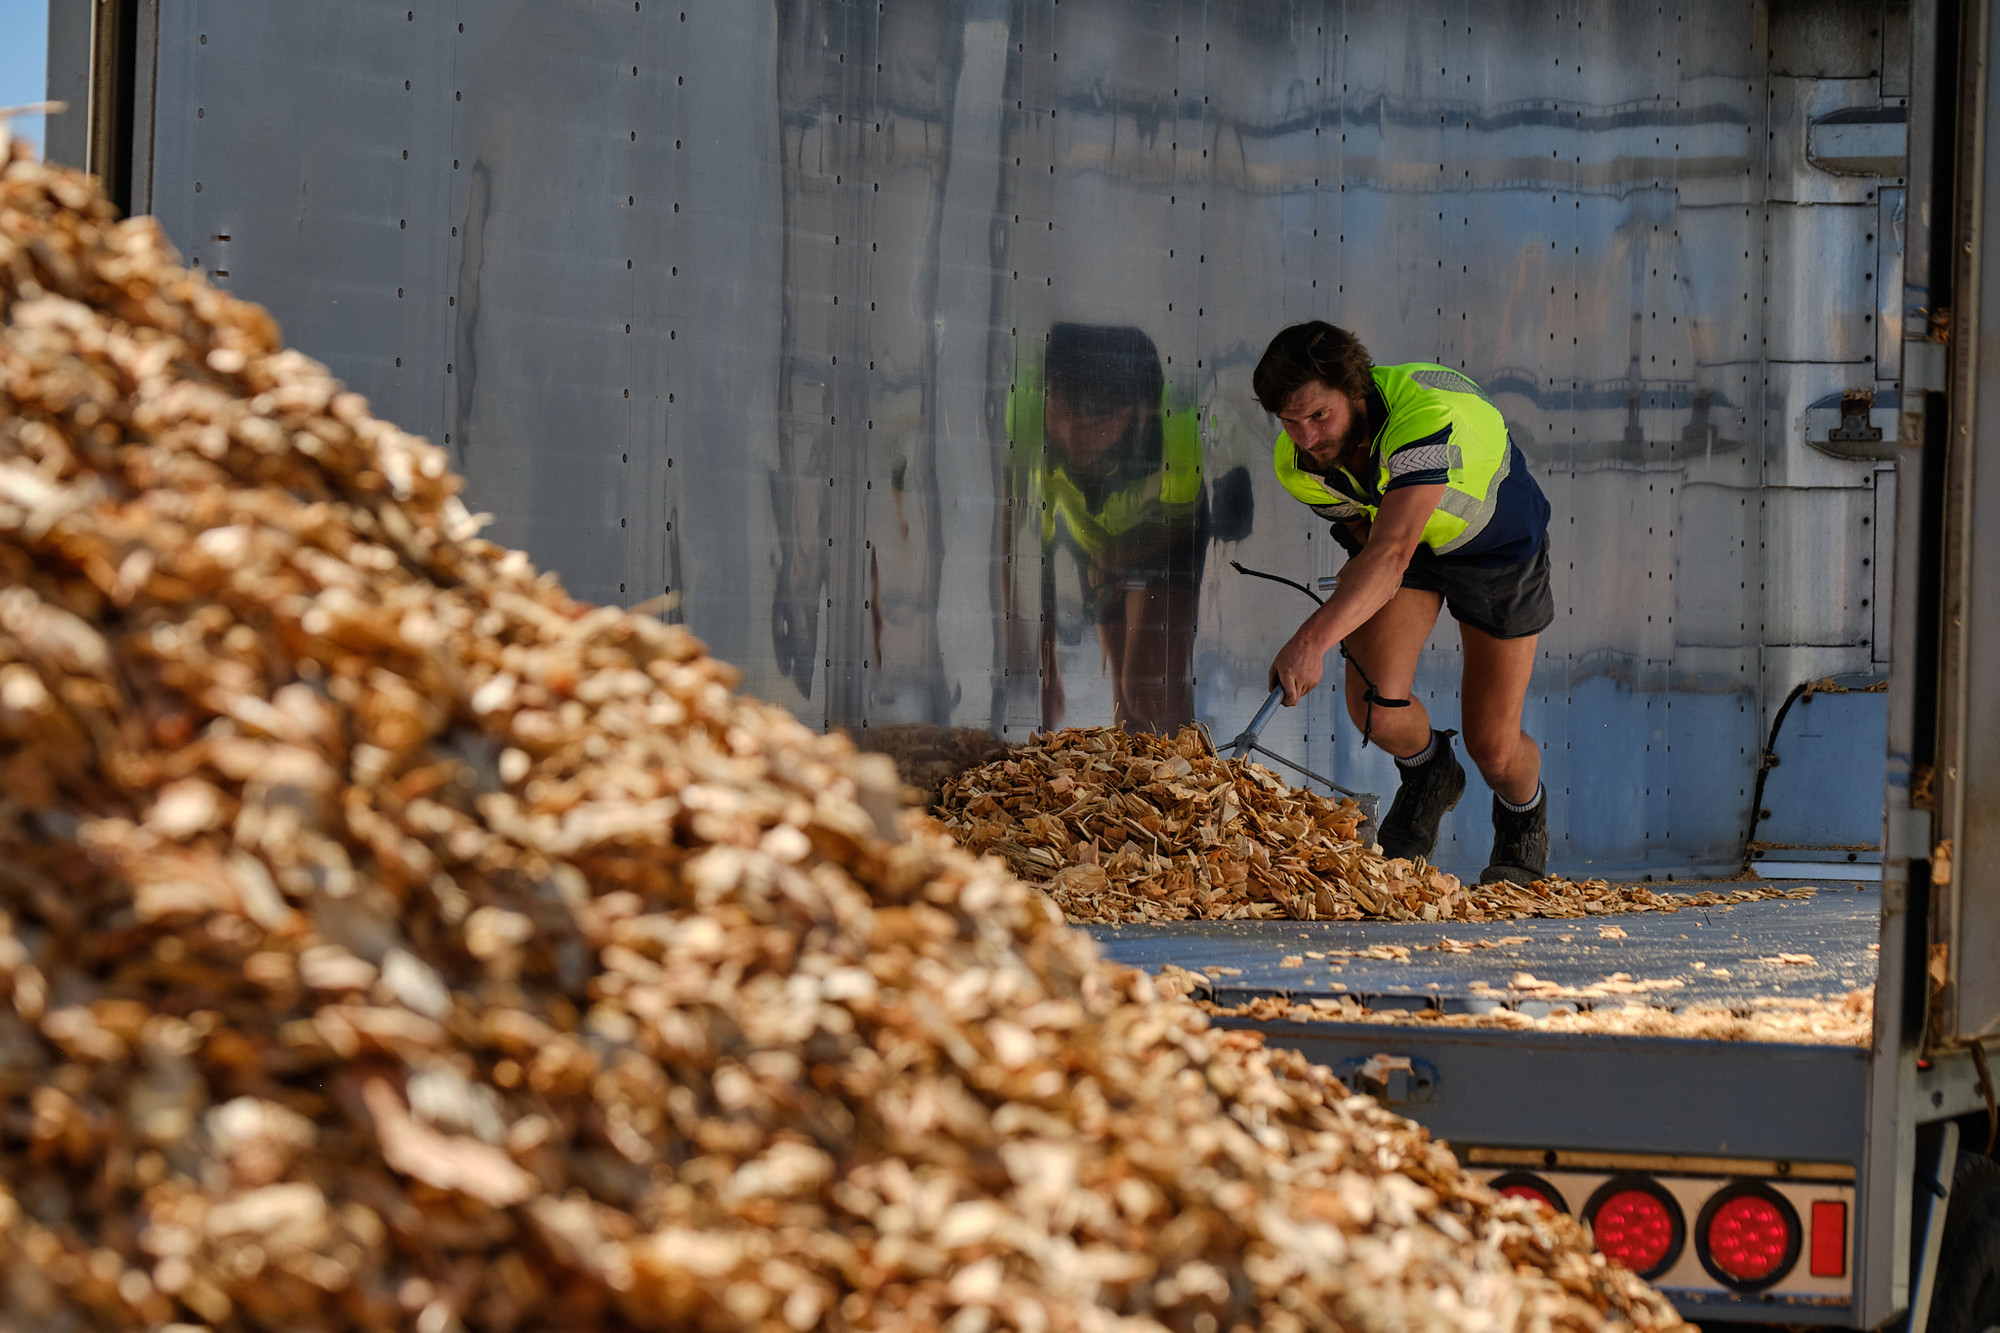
column 729, row 300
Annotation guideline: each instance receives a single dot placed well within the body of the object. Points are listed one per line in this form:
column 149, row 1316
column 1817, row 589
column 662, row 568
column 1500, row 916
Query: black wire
column 1769, row 759
column 1240, row 568
column 1766, row 762
column 1369, row 693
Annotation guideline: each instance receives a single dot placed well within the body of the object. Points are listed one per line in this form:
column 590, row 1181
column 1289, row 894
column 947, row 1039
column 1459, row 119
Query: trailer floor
column 1719, row 955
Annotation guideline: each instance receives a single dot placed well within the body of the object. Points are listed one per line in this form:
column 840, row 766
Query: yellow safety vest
column 1172, row 489
column 1441, row 427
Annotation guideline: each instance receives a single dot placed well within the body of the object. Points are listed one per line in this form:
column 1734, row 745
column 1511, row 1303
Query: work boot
column 1430, row 790
column 1520, row 843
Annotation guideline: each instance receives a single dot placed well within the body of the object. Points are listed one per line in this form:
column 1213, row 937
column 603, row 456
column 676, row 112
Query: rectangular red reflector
column 1829, row 1238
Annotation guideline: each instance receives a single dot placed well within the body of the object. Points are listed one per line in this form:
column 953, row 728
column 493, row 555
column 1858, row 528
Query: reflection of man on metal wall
column 1435, row 505
column 1120, row 475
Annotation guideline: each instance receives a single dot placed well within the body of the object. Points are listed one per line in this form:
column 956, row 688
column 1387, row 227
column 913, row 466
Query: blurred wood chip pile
column 1130, row 828
column 391, row 941
column 1847, row 1021
column 927, row 756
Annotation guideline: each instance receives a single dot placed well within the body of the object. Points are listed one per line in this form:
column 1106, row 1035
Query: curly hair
column 1314, row 352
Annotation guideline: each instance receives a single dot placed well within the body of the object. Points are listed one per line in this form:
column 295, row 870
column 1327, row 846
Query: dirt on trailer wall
column 389, row 940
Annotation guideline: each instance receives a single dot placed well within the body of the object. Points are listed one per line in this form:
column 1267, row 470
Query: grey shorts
column 1505, row 601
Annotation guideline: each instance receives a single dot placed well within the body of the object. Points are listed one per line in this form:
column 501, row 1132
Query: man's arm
column 1367, row 582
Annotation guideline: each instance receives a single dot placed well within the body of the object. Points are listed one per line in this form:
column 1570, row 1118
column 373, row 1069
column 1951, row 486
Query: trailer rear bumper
column 1582, row 1091
column 1583, row 1112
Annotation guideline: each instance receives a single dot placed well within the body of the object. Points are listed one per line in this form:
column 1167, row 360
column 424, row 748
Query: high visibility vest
column 1171, row 489
column 1441, row 427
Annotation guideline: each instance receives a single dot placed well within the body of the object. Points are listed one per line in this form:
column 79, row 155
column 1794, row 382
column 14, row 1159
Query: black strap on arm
column 1369, row 694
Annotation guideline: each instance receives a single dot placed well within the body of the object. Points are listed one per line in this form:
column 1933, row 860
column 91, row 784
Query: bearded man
column 1435, row 506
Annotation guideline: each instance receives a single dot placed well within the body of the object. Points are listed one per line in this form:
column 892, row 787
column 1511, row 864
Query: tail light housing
column 1637, row 1224
column 1528, row 1185
column 1748, row 1236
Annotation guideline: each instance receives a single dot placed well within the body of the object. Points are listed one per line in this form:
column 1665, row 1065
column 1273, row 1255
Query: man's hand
column 1299, row 666
column 1366, row 585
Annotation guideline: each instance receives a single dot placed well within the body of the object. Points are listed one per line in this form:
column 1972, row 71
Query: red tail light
column 1527, row 1185
column 1829, row 1238
column 1748, row 1236
column 1637, row 1224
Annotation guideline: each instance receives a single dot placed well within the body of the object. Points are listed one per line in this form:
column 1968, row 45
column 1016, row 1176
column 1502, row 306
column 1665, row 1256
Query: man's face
column 1323, row 422
column 1083, row 439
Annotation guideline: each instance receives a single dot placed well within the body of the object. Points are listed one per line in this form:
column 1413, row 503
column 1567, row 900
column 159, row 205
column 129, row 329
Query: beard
column 1351, row 448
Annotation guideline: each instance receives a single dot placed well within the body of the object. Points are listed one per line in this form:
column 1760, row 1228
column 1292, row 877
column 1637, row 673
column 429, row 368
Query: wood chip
column 388, row 939
column 1847, row 1021
column 1131, row 828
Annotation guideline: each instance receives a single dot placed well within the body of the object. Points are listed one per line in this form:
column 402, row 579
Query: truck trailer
column 747, row 309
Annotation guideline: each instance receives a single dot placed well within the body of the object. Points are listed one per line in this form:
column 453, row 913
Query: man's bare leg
column 1388, row 647
column 1111, row 635
column 1494, row 688
column 1054, row 705
column 1155, row 687
column 1430, row 779
column 1497, row 674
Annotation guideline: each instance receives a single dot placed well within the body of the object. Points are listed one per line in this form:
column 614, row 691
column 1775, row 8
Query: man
column 1120, row 467
column 1435, row 506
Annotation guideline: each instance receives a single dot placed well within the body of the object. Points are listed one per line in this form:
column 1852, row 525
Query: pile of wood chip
column 1121, row 828
column 391, row 941
column 1847, row 1021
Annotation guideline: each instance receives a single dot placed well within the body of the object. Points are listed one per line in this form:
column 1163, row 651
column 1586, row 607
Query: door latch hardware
column 1855, row 405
